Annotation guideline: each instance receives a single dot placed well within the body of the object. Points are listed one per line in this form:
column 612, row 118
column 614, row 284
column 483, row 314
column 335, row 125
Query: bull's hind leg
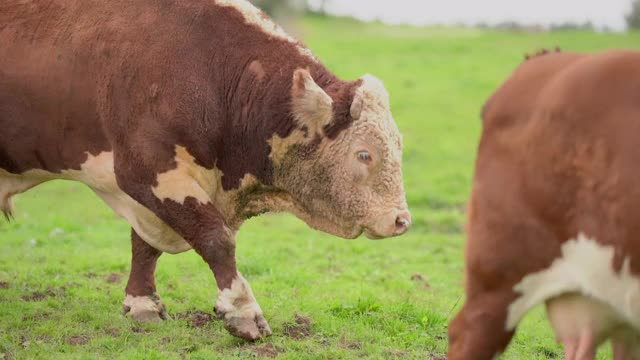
column 478, row 332
column 626, row 347
column 494, row 265
column 142, row 302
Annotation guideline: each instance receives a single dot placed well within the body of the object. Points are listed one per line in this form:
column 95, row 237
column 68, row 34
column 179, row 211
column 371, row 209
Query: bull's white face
column 353, row 183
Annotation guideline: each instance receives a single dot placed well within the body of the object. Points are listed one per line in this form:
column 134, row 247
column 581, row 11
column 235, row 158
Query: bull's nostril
column 402, row 224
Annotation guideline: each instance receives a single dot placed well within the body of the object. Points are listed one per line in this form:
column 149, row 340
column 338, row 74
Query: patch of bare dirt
column 349, row 344
column 36, row 316
column 78, row 340
column 24, row 341
column 113, row 332
column 139, row 330
column 437, row 356
column 264, row 350
column 114, row 278
column 420, row 279
column 301, row 329
column 41, row 295
column 4, row 285
column 40, row 339
column 196, row 318
column 396, row 353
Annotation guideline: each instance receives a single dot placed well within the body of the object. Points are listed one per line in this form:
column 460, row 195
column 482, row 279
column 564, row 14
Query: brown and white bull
column 187, row 118
column 554, row 216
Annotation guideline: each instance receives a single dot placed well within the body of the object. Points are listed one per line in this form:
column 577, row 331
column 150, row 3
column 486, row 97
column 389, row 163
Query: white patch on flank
column 238, row 301
column 255, row 16
column 188, row 179
column 585, row 267
column 141, row 304
column 98, row 173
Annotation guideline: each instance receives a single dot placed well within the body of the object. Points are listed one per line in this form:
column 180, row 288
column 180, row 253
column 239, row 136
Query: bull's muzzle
column 403, row 222
column 394, row 223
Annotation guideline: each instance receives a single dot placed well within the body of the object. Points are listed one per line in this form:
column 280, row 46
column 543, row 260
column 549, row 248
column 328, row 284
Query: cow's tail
column 7, row 208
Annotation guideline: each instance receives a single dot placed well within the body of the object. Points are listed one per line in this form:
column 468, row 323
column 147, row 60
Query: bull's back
column 49, row 85
column 69, row 70
column 569, row 120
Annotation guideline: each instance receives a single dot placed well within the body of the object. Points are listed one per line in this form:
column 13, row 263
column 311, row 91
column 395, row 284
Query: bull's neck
column 260, row 110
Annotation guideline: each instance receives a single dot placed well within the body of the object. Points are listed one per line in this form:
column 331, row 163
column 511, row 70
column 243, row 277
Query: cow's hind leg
column 626, row 347
column 495, row 249
column 478, row 332
column 142, row 302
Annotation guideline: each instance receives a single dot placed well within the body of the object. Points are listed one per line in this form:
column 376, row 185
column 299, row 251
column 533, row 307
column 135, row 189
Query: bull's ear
column 312, row 107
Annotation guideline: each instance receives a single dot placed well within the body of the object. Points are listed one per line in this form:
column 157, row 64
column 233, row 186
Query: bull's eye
column 364, row 157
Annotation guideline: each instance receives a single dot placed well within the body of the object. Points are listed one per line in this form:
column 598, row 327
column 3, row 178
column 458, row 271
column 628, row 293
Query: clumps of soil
column 114, row 278
column 113, row 332
column 349, row 344
column 195, row 318
column 263, row 350
column 139, row 330
column 78, row 340
column 300, row 330
column 36, row 316
column 419, row 278
column 41, row 295
column 4, row 285
column 396, row 353
column 437, row 356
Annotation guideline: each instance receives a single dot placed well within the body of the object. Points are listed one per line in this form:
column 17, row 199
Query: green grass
column 358, row 294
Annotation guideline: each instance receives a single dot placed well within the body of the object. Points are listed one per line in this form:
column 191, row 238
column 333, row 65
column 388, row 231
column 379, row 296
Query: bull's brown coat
column 557, row 159
column 182, row 115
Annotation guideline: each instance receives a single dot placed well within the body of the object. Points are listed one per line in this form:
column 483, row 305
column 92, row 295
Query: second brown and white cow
column 554, row 216
column 187, row 118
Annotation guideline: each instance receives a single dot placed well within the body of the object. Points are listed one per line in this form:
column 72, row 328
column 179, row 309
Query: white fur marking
column 238, row 301
column 254, row 16
column 139, row 304
column 584, row 267
column 188, row 179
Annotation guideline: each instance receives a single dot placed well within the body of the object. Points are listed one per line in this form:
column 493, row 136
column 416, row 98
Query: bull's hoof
column 144, row 308
column 252, row 328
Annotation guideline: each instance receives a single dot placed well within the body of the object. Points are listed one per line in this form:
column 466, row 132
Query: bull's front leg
column 141, row 301
column 236, row 304
column 187, row 209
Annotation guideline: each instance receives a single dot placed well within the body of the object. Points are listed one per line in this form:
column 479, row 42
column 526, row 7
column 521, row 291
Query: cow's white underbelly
column 98, row 173
column 584, row 268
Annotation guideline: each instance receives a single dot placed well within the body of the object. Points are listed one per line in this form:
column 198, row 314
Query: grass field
column 64, row 261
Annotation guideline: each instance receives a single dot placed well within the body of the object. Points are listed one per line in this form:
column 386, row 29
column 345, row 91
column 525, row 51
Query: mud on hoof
column 241, row 313
column 248, row 328
column 145, row 308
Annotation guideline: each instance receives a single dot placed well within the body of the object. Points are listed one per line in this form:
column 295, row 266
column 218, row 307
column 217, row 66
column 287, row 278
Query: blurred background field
column 64, row 260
